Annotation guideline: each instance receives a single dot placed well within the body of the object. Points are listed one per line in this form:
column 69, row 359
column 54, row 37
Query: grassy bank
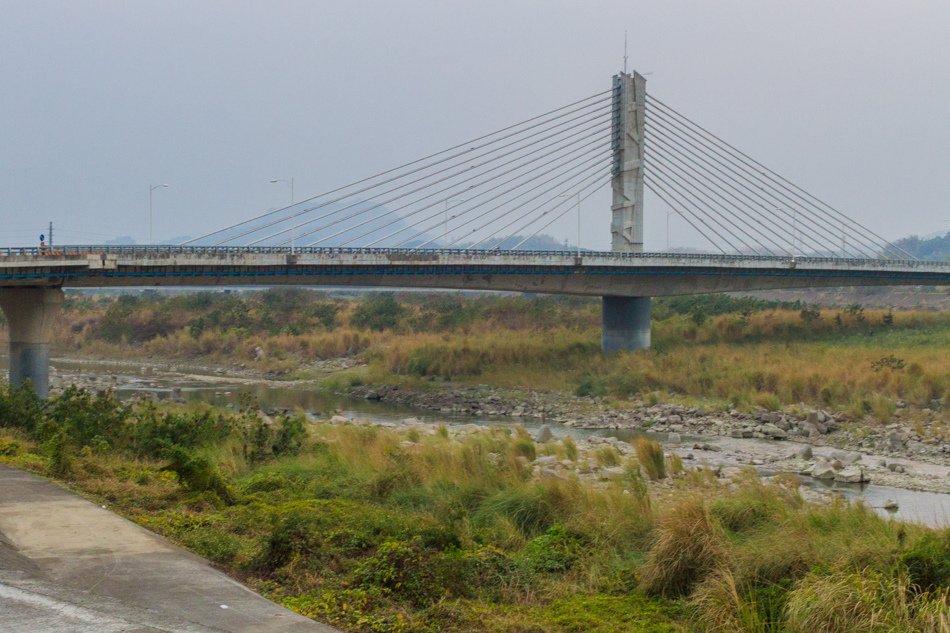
column 424, row 530
column 741, row 352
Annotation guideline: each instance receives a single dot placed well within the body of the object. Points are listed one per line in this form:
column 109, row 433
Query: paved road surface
column 68, row 565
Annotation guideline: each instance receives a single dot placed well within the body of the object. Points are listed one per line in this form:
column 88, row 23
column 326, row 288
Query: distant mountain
column 333, row 225
column 935, row 249
column 533, row 243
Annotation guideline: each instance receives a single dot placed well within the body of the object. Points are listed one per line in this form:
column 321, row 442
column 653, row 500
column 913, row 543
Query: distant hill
column 534, row 243
column 935, row 248
column 328, row 226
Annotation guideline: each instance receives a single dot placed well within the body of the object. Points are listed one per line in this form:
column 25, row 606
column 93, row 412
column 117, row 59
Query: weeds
column 650, row 455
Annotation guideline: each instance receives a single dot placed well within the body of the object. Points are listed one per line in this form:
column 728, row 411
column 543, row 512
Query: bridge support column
column 625, row 321
column 30, row 315
column 625, row 324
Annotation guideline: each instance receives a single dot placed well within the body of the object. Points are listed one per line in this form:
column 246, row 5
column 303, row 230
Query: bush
column 928, row 561
column 84, row 417
column 60, row 462
column 197, row 473
column 214, row 545
column 20, row 408
column 296, row 535
column 290, row 435
column 591, row 385
column 687, row 547
column 650, row 455
column 555, row 551
column 403, row 570
column 378, row 312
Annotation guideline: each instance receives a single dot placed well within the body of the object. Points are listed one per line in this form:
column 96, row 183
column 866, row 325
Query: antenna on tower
column 625, row 51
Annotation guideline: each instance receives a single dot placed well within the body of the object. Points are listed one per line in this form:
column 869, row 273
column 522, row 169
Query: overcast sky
column 850, row 99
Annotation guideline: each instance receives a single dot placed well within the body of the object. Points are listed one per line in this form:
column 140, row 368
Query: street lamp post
column 578, row 195
column 151, row 190
column 293, row 201
column 668, row 214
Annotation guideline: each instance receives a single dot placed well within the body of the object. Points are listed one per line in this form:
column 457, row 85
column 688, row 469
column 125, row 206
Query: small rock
column 804, row 452
column 614, row 472
column 547, row 473
column 891, row 506
column 544, row 435
column 339, row 419
column 674, row 438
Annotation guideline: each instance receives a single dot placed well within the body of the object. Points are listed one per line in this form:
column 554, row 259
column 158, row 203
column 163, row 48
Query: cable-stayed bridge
column 468, row 217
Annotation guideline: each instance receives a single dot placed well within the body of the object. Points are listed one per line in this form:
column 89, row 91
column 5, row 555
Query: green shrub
column 152, row 431
column 403, row 570
column 214, row 545
column 555, row 551
column 591, row 385
column 60, row 461
column 197, row 473
column 267, row 481
column 632, row 613
column 378, row 312
column 83, row 416
column 928, row 561
column 20, row 408
column 296, row 535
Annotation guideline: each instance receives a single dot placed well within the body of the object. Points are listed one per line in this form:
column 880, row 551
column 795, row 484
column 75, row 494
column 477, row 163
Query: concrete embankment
column 67, row 564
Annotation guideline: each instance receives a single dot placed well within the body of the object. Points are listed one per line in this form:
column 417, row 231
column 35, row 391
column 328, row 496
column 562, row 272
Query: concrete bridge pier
column 625, row 324
column 30, row 314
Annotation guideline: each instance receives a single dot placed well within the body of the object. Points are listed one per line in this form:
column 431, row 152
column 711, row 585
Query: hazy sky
column 850, row 99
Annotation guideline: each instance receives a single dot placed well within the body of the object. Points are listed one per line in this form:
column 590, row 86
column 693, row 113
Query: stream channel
column 129, row 380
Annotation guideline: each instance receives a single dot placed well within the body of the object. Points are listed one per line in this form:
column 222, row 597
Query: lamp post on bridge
column 578, row 195
column 293, row 201
column 668, row 214
column 151, row 190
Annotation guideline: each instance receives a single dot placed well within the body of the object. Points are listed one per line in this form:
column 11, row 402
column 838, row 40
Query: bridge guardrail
column 165, row 251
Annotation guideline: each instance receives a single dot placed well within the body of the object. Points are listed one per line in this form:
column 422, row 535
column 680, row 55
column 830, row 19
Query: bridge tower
column 625, row 323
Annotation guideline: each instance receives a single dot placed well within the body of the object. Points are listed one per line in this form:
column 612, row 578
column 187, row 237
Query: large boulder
column 771, row 431
column 822, row 470
column 852, row 475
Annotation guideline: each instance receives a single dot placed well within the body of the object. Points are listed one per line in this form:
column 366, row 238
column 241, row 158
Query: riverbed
column 194, row 384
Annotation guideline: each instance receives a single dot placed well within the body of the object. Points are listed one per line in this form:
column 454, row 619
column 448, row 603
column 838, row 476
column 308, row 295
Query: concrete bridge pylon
column 31, row 314
column 625, row 321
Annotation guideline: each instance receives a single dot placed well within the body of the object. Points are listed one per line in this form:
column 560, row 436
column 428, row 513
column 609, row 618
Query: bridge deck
column 560, row 272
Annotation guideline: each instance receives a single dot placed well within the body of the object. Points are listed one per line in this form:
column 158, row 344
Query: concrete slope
column 69, row 565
